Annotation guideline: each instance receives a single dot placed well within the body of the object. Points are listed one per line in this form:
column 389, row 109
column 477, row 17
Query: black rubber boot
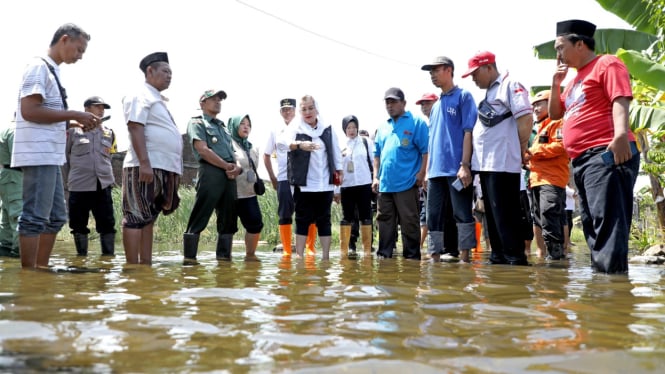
column 555, row 251
column 190, row 248
column 81, row 243
column 224, row 246
column 108, row 244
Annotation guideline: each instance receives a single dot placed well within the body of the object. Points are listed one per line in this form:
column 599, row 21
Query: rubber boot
column 81, row 243
column 366, row 235
column 190, row 248
column 310, row 247
column 344, row 237
column 285, row 237
column 555, row 251
column 224, row 246
column 108, row 244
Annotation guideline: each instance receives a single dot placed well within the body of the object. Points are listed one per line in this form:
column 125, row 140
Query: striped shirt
column 39, row 143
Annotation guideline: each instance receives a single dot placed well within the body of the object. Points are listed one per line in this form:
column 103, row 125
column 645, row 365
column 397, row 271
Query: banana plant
column 643, row 52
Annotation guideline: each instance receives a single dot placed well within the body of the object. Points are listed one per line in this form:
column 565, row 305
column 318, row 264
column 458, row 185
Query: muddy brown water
column 353, row 316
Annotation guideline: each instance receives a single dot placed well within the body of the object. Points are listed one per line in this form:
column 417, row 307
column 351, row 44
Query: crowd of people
column 508, row 159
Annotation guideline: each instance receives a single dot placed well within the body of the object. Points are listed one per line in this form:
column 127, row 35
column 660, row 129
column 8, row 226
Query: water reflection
column 344, row 315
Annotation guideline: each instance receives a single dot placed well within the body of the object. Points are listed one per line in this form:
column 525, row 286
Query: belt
column 4, row 166
column 603, row 148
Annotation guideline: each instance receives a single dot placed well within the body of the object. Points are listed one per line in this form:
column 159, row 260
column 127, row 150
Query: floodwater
column 343, row 316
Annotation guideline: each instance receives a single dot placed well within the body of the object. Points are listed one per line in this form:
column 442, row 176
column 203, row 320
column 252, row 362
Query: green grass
column 169, row 229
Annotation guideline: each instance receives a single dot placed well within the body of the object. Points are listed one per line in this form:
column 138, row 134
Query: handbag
column 259, row 186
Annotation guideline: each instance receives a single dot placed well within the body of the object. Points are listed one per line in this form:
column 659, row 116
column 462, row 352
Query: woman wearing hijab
column 356, row 189
column 247, row 204
column 314, row 166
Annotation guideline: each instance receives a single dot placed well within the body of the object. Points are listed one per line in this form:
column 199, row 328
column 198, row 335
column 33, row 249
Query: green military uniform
column 214, row 190
column 11, row 195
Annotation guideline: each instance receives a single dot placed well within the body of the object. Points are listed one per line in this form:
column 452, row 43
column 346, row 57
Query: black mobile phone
column 608, row 158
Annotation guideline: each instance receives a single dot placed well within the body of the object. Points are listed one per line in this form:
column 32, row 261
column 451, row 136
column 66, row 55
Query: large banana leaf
column 634, row 12
column 642, row 117
column 608, row 41
column 649, row 72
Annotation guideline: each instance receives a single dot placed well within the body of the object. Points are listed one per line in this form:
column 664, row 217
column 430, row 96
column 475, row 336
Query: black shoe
column 352, row 255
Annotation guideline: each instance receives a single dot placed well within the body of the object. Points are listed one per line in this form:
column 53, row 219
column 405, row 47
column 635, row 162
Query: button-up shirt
column 89, row 159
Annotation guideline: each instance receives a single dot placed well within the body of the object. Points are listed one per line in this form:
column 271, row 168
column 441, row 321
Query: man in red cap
column 426, row 103
column 597, row 137
column 499, row 145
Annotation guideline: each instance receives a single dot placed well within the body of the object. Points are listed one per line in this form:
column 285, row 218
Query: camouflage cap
column 210, row 93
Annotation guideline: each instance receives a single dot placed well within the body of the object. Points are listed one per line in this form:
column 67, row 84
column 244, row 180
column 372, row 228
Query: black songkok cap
column 575, row 26
column 152, row 58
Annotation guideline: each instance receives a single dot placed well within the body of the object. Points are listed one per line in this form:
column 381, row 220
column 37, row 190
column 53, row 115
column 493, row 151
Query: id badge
column 251, row 176
column 349, row 167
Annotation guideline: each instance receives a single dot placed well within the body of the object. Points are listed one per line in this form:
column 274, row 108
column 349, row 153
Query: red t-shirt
column 588, row 99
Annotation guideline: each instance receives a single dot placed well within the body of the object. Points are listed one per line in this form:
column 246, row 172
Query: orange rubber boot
column 311, row 239
column 285, row 237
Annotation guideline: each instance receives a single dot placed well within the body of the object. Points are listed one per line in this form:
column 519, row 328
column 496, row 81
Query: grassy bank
column 169, row 229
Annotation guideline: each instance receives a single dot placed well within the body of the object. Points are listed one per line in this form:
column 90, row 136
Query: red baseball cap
column 428, row 97
column 478, row 60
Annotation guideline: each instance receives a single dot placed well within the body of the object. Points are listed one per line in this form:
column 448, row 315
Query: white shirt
column 570, row 198
column 162, row 137
column 356, row 153
column 497, row 148
column 273, row 149
column 318, row 173
column 39, row 143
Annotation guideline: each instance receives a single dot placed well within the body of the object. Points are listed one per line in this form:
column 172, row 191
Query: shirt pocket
column 107, row 144
column 81, row 146
column 218, row 143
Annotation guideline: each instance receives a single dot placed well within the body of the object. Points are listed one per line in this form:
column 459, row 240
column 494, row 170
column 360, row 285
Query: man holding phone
column 449, row 177
column 594, row 108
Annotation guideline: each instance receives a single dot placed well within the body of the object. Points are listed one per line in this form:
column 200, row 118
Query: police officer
column 89, row 180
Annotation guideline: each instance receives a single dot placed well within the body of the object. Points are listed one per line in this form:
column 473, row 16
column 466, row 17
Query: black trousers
column 99, row 202
column 501, row 195
column 606, row 207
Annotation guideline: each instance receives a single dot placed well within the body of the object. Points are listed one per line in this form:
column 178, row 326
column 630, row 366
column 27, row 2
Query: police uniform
column 89, row 182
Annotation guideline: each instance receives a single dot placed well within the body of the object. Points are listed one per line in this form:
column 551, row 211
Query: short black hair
column 71, row 30
column 574, row 38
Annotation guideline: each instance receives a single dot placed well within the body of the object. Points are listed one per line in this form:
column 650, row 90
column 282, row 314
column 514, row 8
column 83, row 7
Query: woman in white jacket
column 356, row 189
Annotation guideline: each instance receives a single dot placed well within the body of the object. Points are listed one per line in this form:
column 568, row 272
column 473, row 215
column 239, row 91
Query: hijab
column 234, row 124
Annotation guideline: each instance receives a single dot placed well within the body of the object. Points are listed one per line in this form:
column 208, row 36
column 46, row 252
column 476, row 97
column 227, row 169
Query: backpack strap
column 63, row 92
column 369, row 161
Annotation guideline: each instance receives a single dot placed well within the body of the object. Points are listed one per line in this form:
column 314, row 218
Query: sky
column 345, row 53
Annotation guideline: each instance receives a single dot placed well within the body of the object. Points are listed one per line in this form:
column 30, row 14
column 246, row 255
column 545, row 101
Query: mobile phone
column 457, row 184
column 608, row 158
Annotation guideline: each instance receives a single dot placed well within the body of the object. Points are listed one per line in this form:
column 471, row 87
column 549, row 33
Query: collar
column 154, row 92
